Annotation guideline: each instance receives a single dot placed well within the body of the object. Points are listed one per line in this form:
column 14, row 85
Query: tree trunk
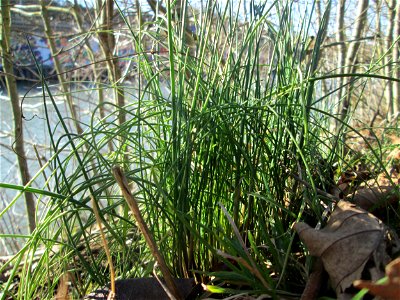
column 76, row 11
column 16, row 109
column 340, row 37
column 189, row 36
column 107, row 44
column 388, row 59
column 60, row 72
column 396, row 70
column 352, row 54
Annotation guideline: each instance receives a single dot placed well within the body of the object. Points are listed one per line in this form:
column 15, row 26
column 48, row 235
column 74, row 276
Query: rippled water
column 36, row 133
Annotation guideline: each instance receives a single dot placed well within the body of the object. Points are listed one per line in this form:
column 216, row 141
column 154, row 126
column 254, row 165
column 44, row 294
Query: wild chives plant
column 222, row 116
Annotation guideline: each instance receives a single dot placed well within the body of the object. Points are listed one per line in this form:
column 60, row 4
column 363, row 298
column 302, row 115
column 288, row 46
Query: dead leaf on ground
column 388, row 291
column 376, row 193
column 374, row 197
column 350, row 239
column 383, row 179
column 394, row 155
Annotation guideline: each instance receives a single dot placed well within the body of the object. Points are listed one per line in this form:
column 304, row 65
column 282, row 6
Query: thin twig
column 123, row 184
column 105, row 245
column 314, row 281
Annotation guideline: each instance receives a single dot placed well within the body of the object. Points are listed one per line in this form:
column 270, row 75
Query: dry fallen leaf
column 388, row 291
column 373, row 197
column 377, row 193
column 351, row 237
column 383, row 178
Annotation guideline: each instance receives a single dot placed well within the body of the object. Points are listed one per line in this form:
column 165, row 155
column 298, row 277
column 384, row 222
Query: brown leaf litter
column 389, row 290
column 352, row 238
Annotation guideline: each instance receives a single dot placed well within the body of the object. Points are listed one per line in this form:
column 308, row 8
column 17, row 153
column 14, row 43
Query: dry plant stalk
column 62, row 290
column 105, row 245
column 314, row 281
column 123, row 184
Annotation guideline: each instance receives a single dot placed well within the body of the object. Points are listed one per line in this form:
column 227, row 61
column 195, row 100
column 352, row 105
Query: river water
column 35, row 134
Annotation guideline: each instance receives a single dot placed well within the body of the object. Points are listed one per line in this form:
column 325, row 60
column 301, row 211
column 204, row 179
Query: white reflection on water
column 35, row 133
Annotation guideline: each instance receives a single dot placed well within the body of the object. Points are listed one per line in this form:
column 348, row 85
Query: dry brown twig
column 106, row 248
column 123, row 184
